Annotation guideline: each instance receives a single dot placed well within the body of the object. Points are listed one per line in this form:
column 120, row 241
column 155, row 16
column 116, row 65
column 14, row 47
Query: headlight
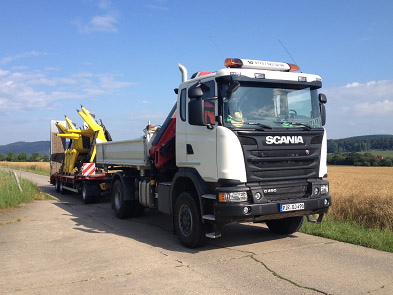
column 233, row 197
column 324, row 189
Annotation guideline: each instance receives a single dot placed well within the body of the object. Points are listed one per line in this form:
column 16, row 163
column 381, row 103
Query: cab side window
column 183, row 105
column 209, row 104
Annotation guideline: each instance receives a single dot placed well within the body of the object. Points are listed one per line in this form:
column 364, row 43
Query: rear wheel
column 90, row 193
column 188, row 222
column 121, row 207
column 61, row 188
column 285, row 226
column 57, row 186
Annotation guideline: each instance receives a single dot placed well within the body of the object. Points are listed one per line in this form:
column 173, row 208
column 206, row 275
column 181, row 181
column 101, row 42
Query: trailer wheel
column 121, row 208
column 90, row 193
column 57, row 186
column 285, row 226
column 188, row 221
column 61, row 188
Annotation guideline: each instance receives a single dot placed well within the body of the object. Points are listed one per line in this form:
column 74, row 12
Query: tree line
column 358, row 159
column 360, row 144
column 22, row 157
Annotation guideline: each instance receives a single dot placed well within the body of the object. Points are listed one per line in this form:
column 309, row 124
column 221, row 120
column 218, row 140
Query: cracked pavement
column 65, row 247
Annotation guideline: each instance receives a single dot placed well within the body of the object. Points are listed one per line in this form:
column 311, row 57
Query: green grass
column 351, row 232
column 10, row 196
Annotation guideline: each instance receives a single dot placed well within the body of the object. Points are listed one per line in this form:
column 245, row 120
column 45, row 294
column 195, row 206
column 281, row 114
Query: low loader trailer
column 243, row 144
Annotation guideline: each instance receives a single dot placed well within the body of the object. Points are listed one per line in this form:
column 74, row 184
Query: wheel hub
column 185, row 220
column 117, row 199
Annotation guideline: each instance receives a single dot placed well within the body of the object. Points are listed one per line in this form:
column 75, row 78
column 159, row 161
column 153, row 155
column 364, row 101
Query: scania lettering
column 284, row 139
column 243, row 144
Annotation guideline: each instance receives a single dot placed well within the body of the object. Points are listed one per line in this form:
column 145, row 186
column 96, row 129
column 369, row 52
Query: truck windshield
column 255, row 105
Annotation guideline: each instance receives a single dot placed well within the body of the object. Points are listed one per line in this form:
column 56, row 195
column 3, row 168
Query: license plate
column 291, row 207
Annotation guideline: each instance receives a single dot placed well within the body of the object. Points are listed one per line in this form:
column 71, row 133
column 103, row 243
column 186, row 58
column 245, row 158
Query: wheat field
column 362, row 194
column 43, row 166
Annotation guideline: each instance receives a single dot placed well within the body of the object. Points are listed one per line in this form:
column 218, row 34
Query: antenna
column 289, row 54
column 218, row 50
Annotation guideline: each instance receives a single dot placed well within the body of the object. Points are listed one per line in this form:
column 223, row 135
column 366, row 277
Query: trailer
column 243, row 144
column 73, row 168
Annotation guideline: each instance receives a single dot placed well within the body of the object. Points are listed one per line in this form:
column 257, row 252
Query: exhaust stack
column 184, row 72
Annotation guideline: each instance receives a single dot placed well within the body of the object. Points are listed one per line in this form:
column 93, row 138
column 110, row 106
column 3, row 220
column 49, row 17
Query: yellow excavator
column 82, row 144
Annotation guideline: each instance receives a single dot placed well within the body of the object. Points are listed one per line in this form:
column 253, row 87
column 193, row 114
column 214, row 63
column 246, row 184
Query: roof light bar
column 260, row 65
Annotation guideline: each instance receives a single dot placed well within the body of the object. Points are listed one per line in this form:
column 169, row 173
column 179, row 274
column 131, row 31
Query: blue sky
column 119, row 58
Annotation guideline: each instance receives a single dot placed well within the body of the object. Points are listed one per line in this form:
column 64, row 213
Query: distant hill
column 361, row 143
column 41, row 147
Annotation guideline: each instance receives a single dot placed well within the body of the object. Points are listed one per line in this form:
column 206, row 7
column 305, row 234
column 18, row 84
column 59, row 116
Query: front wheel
column 188, row 221
column 285, row 226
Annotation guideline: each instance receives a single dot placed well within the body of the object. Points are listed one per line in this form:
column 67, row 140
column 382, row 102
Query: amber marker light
column 233, row 63
column 221, row 197
column 293, row 68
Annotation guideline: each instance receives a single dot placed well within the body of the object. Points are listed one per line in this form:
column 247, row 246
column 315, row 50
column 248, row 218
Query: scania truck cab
column 251, row 138
column 243, row 144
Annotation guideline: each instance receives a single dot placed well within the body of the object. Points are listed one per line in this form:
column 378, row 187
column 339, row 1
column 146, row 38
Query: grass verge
column 351, row 232
column 10, row 196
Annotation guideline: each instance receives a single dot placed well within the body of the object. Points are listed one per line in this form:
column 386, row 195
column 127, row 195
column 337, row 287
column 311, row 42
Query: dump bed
column 123, row 153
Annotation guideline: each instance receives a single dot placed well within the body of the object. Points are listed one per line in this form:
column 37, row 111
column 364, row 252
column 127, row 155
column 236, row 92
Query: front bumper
column 234, row 212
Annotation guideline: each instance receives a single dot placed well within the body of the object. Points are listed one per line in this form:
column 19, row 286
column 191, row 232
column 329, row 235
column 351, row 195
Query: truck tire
column 57, row 186
column 285, row 226
column 61, row 188
column 121, row 208
column 89, row 193
column 188, row 221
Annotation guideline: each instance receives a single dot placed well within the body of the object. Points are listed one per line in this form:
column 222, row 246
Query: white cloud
column 373, row 98
column 108, row 82
column 370, row 91
column 99, row 23
column 158, row 7
column 360, row 108
column 104, row 4
column 25, row 91
column 3, row 73
column 19, row 56
column 379, row 108
column 145, row 101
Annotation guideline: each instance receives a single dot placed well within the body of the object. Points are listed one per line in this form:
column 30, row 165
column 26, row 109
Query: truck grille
column 276, row 162
column 286, row 190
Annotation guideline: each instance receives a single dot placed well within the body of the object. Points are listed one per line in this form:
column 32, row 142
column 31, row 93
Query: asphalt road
column 65, row 247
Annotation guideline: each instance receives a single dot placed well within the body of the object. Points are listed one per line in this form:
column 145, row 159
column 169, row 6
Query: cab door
column 201, row 147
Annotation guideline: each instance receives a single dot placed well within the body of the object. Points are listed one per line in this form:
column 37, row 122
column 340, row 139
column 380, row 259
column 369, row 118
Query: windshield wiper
column 288, row 124
column 309, row 127
column 259, row 124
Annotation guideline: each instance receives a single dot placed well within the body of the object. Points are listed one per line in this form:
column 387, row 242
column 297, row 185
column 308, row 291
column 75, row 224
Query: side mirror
column 201, row 112
column 195, row 111
column 323, row 114
column 195, row 91
column 232, row 88
column 322, row 98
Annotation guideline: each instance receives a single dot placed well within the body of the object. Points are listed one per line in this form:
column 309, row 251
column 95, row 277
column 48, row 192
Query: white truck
column 244, row 143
